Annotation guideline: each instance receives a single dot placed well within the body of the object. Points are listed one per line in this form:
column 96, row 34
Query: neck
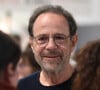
column 54, row 78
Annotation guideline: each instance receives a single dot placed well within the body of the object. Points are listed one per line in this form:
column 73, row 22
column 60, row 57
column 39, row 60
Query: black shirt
column 32, row 83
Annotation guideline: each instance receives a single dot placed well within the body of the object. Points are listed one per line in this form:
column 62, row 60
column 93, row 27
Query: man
column 9, row 56
column 52, row 37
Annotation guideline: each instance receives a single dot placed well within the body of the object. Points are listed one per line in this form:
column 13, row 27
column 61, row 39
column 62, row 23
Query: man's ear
column 74, row 40
column 10, row 69
column 31, row 42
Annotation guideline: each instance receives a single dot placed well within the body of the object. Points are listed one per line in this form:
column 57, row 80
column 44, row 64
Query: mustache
column 51, row 53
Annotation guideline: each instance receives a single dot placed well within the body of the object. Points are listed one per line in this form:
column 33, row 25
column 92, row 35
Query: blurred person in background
column 16, row 38
column 9, row 56
column 88, row 67
column 53, row 37
column 27, row 64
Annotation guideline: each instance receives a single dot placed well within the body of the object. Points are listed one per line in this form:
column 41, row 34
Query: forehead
column 51, row 23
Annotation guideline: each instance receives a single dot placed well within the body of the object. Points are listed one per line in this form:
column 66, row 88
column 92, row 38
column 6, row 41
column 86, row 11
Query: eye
column 59, row 37
column 42, row 38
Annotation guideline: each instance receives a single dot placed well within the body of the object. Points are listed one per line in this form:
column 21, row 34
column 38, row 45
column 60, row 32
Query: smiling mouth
column 51, row 57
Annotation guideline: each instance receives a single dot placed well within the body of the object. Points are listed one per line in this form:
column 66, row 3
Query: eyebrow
column 53, row 34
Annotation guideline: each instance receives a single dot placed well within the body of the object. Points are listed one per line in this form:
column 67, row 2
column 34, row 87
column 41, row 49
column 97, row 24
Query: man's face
column 53, row 53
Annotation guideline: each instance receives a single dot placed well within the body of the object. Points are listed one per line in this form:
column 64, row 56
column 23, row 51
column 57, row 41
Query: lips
column 51, row 56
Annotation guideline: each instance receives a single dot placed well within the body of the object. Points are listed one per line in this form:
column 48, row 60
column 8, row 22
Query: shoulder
column 29, row 81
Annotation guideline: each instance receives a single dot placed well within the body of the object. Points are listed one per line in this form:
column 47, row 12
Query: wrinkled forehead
column 50, row 23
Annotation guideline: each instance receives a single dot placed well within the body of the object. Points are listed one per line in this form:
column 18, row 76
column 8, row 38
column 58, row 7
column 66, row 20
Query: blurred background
column 15, row 14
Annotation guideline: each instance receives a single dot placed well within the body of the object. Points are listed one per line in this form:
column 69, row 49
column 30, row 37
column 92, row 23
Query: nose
column 51, row 44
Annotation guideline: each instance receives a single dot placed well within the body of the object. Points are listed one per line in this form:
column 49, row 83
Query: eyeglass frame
column 47, row 37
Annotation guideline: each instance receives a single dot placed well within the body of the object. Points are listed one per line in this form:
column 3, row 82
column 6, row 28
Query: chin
column 51, row 69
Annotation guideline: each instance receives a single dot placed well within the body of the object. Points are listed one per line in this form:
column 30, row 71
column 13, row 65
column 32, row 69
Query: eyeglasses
column 59, row 39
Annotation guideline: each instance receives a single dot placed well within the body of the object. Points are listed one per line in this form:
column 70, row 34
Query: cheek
column 37, row 50
column 37, row 53
column 66, row 49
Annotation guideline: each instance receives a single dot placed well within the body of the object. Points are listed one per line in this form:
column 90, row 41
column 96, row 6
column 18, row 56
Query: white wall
column 88, row 33
column 85, row 12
